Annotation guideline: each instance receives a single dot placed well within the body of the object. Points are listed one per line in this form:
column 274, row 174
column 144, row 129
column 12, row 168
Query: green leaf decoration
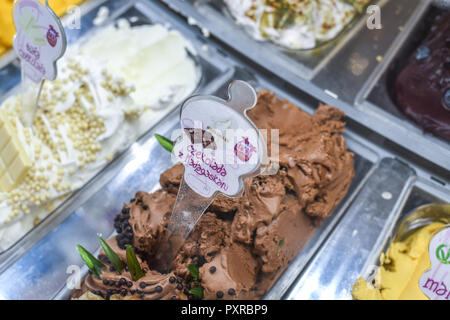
column 112, row 256
column 93, row 264
column 164, row 142
column 197, row 291
column 193, row 270
column 133, row 264
column 281, row 243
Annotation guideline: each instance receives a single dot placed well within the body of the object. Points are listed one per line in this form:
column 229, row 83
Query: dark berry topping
column 231, row 292
column 212, row 269
column 172, row 279
column 158, row 289
column 219, row 294
column 447, row 99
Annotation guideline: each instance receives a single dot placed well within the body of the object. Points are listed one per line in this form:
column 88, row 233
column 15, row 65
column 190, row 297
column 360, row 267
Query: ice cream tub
column 396, row 233
column 164, row 38
column 139, row 169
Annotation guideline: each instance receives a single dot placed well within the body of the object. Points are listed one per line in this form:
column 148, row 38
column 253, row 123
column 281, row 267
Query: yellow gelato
column 400, row 270
column 7, row 24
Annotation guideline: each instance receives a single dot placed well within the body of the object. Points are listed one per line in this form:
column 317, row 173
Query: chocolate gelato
column 240, row 246
column 423, row 87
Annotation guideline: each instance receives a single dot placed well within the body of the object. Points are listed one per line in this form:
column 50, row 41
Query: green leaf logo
column 443, row 254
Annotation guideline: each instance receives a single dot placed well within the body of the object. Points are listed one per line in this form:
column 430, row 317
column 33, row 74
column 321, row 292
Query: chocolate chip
column 172, row 279
column 219, row 294
column 158, row 289
column 231, row 292
column 212, row 269
column 423, row 52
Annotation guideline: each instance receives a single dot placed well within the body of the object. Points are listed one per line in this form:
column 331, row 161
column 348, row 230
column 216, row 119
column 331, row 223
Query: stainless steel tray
column 340, row 74
column 353, row 250
column 39, row 267
column 213, row 69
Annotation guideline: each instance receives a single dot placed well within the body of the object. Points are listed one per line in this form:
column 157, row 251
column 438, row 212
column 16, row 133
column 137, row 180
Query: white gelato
column 110, row 90
column 295, row 24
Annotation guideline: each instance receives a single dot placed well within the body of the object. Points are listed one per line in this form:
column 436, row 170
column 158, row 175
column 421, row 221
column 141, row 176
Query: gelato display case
column 354, row 166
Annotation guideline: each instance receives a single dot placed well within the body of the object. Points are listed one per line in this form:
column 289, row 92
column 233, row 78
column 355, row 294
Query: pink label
column 219, row 144
column 435, row 283
column 40, row 39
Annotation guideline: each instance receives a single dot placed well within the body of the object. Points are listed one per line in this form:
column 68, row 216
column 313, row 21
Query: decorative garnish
column 133, row 264
column 164, row 142
column 197, row 291
column 193, row 270
column 93, row 264
column 112, row 256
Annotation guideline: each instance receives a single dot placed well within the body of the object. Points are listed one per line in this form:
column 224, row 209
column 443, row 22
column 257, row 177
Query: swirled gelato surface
column 241, row 246
column 295, row 24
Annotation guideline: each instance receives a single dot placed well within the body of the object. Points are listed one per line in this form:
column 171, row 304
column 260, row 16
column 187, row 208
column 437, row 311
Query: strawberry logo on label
column 244, row 150
column 52, row 36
